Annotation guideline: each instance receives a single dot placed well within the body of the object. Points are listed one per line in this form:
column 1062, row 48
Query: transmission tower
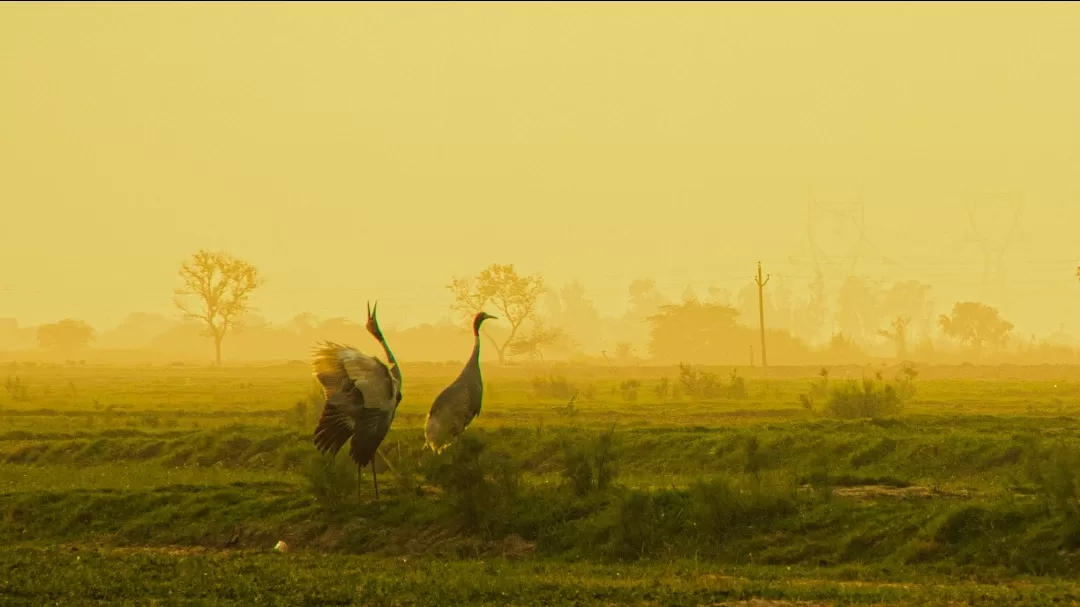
column 993, row 242
column 838, row 242
column 845, row 214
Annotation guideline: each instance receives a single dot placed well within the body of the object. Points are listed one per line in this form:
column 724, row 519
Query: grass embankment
column 973, row 479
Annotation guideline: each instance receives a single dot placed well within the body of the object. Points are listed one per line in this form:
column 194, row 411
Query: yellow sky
column 375, row 150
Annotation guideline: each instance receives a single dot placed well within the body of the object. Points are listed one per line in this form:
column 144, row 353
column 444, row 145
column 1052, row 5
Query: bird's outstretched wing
column 335, row 364
column 450, row 414
column 336, row 424
column 361, row 397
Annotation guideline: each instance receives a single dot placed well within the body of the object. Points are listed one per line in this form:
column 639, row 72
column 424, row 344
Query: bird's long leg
column 387, row 462
column 359, row 477
column 375, row 478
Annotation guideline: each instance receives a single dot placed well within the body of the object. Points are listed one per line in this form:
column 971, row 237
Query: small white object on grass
column 281, row 546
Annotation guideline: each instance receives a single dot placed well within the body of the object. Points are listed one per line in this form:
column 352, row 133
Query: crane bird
column 456, row 406
column 362, row 396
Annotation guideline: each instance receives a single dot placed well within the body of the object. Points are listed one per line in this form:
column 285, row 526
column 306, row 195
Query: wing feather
column 372, row 376
column 335, row 425
column 362, row 394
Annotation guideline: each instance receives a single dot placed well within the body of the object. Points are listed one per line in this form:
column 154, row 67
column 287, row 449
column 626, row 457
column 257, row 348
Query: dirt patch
column 513, row 546
column 329, row 540
column 768, row 603
column 163, row 550
column 886, row 491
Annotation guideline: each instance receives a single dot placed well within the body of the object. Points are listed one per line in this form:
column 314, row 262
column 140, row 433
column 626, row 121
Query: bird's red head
column 480, row 317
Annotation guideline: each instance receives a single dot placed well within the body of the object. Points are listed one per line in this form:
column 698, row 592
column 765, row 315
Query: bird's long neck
column 474, row 359
column 390, row 357
column 386, row 350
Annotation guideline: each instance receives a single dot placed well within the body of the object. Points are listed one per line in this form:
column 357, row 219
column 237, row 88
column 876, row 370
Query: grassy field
column 575, row 486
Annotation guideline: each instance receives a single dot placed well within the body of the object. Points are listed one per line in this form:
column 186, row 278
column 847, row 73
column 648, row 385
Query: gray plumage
column 457, row 405
column 362, row 396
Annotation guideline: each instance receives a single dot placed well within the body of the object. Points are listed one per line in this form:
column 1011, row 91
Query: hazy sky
column 362, row 151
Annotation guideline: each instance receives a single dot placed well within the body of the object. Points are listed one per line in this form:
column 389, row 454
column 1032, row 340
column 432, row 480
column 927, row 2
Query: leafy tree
column 645, row 298
column 304, row 323
column 574, row 314
column 719, row 295
column 580, row 317
column 689, row 294
column 708, row 333
column 912, row 299
column 513, row 295
column 66, row 336
column 815, row 307
column 898, row 335
column 624, row 352
column 977, row 325
column 692, row 331
column 221, row 287
column 858, row 307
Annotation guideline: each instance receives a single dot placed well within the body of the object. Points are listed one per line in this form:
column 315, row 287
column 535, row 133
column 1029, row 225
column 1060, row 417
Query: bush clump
column 484, row 486
column 552, row 386
column 590, row 465
column 332, row 480
column 870, row 398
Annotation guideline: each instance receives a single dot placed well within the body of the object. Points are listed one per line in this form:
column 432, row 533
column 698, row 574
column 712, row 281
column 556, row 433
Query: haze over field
column 363, row 151
column 679, row 303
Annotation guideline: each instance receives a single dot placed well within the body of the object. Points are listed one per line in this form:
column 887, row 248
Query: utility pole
column 761, row 311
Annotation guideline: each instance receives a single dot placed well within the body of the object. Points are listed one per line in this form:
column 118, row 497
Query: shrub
column 871, row 398
column 590, row 465
column 405, row 462
column 1054, row 471
column 16, row 389
column 905, row 382
column 730, row 505
column 638, row 528
column 737, row 389
column 662, row 388
column 151, row 419
column 483, row 486
column 588, row 393
column 629, row 389
column 332, row 480
column 552, row 386
column 698, row 384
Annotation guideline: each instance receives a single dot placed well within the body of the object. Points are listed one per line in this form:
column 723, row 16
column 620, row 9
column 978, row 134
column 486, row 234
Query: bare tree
column 898, row 335
column 539, row 338
column 220, row 286
column 513, row 295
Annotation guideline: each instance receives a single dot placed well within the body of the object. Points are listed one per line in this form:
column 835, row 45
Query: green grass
column 968, row 491
column 249, row 577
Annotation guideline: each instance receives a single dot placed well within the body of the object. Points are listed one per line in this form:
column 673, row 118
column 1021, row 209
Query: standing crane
column 456, row 406
column 362, row 396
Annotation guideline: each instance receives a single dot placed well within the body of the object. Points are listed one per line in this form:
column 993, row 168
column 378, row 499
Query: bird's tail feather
column 434, row 435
